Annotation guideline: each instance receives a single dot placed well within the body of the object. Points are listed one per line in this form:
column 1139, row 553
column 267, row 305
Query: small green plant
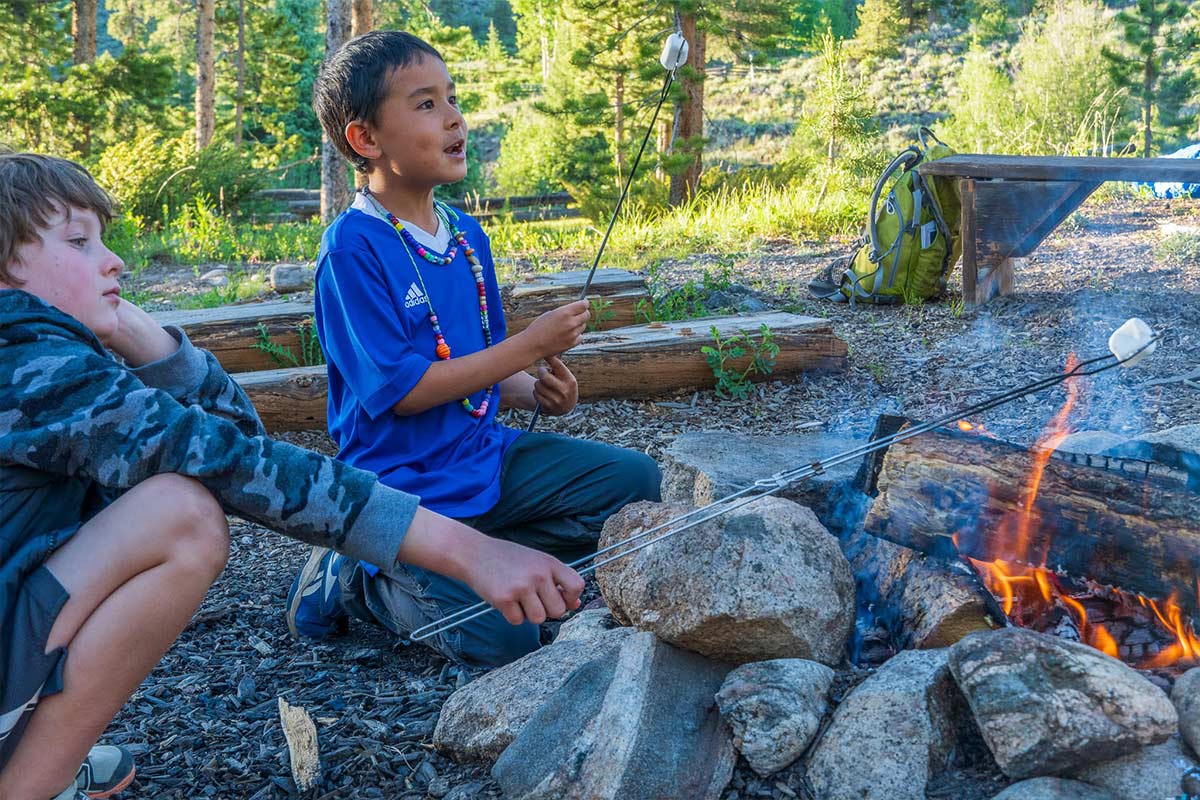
column 958, row 307
column 1179, row 249
column 310, row 347
column 734, row 382
column 643, row 311
column 601, row 313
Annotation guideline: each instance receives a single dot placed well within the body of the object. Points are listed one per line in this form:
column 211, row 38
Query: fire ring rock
column 774, row 709
column 765, row 581
column 1046, row 705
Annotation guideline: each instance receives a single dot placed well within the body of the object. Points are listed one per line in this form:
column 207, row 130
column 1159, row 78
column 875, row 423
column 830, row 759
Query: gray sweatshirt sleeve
column 194, row 377
column 71, row 410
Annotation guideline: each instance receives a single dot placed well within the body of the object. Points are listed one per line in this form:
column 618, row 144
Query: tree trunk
column 362, row 21
column 663, row 143
column 205, row 77
column 335, row 189
column 690, row 134
column 83, row 31
column 639, row 361
column 1148, row 98
column 545, row 42
column 619, row 126
column 240, row 94
column 362, row 18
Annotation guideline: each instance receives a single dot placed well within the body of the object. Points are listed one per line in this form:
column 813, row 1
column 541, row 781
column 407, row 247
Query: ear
column 362, row 140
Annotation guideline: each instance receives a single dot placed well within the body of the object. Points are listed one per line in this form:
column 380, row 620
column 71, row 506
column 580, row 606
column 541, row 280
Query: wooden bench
column 1010, row 204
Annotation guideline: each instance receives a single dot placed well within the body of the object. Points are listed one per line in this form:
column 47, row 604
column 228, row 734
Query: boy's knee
column 644, row 476
column 499, row 644
column 199, row 529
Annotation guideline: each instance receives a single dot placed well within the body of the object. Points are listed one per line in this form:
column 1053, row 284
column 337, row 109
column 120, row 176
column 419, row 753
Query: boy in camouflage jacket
column 114, row 483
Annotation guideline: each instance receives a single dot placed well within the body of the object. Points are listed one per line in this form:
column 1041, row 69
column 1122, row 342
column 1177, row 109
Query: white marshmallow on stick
column 675, row 52
column 1127, row 340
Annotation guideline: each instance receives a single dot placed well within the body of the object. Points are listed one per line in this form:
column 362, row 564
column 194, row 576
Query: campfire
column 1146, row 633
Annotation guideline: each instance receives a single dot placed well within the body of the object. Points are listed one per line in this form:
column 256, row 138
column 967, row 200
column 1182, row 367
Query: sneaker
column 106, row 771
column 314, row 604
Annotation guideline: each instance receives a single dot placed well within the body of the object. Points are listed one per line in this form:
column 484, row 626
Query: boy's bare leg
column 136, row 573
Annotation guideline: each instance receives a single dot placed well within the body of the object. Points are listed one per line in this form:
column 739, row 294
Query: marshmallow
column 675, row 52
column 1129, row 339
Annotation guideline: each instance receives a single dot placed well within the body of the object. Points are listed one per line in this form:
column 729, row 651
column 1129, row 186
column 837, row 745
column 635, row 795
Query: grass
column 723, row 220
column 199, row 235
column 1179, row 249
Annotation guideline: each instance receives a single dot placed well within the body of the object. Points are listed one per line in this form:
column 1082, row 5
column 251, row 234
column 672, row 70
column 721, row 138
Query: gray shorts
column 27, row 672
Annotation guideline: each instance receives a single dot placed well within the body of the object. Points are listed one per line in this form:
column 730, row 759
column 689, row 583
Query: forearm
column 449, row 381
column 139, row 340
column 439, row 544
column 516, row 391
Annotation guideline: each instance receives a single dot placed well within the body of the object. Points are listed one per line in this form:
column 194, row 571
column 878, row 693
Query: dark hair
column 33, row 188
column 353, row 82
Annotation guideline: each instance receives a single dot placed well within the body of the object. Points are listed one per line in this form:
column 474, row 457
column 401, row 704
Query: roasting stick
column 1129, row 344
column 674, row 54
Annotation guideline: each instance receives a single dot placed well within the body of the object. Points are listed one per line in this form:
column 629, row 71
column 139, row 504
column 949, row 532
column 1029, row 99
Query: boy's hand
column 559, row 330
column 138, row 338
column 556, row 389
column 523, row 584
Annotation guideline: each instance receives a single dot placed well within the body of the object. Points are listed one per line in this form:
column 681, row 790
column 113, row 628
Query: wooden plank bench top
column 1065, row 168
column 1010, row 204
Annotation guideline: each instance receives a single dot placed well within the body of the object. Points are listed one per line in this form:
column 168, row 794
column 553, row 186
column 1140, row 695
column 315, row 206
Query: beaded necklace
column 443, row 349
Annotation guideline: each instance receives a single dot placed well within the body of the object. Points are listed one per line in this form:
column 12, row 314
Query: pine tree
column 746, row 27
column 1153, row 68
column 537, row 30
column 880, row 30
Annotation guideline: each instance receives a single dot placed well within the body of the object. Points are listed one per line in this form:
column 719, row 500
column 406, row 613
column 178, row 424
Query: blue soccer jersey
column 373, row 298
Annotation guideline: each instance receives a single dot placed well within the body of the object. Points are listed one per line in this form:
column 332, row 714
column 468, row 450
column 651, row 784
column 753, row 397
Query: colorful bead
column 442, row 349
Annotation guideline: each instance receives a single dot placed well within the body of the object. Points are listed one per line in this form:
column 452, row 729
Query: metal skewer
column 673, row 57
column 780, row 480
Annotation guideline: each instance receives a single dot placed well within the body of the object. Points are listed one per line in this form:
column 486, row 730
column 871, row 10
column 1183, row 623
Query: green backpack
column 905, row 254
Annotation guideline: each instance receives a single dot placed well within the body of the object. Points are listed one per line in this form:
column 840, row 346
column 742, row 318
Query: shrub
column 153, row 178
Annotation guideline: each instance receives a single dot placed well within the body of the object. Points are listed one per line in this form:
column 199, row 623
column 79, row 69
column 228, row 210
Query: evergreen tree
column 537, row 30
column 1152, row 68
column 745, row 26
column 880, row 30
column 614, row 68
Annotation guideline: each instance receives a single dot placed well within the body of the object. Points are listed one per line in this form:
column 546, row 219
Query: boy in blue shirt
column 408, row 314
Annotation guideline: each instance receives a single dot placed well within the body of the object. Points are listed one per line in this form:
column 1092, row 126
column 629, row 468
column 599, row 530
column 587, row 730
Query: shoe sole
column 128, row 779
column 310, row 569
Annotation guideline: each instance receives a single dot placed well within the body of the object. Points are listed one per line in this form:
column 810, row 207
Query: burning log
column 948, row 491
column 926, row 602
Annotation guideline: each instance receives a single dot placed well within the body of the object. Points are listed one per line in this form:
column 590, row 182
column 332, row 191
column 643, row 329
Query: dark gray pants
column 555, row 494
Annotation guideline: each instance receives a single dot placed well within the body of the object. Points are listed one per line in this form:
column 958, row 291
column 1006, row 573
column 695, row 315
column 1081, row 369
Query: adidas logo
column 415, row 296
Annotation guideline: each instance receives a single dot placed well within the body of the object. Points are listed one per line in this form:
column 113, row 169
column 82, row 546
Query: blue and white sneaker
column 314, row 604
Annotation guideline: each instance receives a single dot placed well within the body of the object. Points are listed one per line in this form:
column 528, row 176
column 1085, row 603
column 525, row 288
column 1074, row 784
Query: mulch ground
column 205, row 723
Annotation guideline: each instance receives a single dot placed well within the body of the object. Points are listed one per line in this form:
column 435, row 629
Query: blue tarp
column 1176, row 189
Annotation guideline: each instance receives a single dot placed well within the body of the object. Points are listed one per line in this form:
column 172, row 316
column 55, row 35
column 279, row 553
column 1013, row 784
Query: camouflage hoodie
column 77, row 428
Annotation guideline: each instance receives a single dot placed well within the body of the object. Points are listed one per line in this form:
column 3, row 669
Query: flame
column 1172, row 618
column 1104, row 642
column 1018, row 585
